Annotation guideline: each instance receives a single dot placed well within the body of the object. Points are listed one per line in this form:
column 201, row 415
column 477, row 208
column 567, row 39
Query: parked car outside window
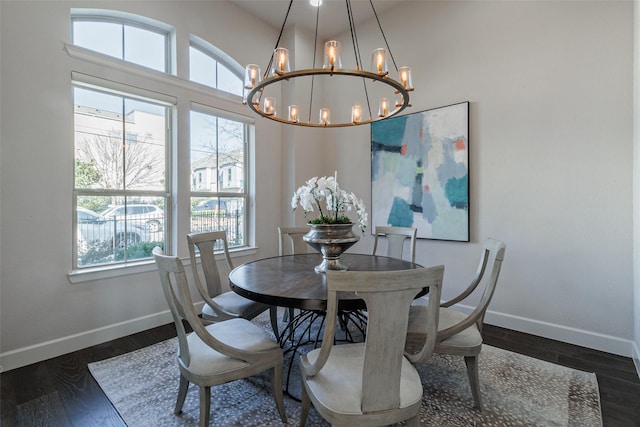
column 97, row 232
column 151, row 215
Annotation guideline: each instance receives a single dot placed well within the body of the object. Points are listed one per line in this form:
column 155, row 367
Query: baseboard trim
column 593, row 340
column 36, row 353
column 636, row 357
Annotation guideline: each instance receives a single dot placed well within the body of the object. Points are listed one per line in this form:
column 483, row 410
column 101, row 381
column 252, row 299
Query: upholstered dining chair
column 290, row 242
column 218, row 305
column 370, row 383
column 396, row 237
column 459, row 333
column 219, row 352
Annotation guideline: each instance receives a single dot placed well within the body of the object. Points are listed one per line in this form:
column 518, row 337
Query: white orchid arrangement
column 337, row 202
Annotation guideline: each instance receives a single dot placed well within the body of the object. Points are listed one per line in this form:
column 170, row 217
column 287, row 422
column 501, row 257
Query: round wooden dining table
column 291, row 281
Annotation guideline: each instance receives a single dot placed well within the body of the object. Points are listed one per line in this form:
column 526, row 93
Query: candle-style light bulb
column 325, row 116
column 356, row 113
column 332, row 55
column 383, row 108
column 405, row 77
column 251, row 76
column 269, row 106
column 280, row 63
column 379, row 61
column 293, row 113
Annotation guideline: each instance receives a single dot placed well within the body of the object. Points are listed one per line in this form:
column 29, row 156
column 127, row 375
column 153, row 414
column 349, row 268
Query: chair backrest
column 388, row 296
column 176, row 291
column 485, row 279
column 205, row 242
column 290, row 240
column 395, row 240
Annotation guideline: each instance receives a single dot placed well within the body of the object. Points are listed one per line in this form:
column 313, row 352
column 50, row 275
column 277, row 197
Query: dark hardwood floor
column 62, row 392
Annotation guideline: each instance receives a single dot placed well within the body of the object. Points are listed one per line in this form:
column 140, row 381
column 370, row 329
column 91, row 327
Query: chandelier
column 278, row 70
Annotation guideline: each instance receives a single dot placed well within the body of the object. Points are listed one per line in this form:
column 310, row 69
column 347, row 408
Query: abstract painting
column 420, row 172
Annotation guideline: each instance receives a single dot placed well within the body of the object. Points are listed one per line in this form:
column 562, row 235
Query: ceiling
column 333, row 18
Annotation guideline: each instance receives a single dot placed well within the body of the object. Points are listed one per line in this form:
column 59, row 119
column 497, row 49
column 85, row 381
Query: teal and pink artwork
column 420, row 172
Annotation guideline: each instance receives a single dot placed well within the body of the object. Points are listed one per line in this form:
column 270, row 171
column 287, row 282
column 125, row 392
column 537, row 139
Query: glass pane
column 145, row 141
column 228, row 81
column 204, row 148
column 98, row 140
column 202, row 67
column 219, row 213
column 217, row 154
column 231, row 156
column 145, row 48
column 111, row 229
column 103, row 37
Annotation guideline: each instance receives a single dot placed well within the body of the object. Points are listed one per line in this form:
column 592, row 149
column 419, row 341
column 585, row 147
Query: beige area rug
column 517, row 391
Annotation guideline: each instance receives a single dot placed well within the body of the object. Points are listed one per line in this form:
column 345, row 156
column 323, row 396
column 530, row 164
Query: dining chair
column 459, row 333
column 396, row 237
column 370, row 383
column 290, row 242
column 218, row 305
column 219, row 352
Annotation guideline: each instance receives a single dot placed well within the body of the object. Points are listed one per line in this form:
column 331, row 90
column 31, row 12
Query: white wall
column 636, row 183
column 550, row 86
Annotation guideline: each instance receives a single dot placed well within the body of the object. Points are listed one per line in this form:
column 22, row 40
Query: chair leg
column 205, row 405
column 276, row 386
column 273, row 315
column 306, row 405
column 182, row 394
column 474, row 379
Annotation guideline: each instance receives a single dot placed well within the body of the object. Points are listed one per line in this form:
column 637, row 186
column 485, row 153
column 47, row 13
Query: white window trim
column 92, row 56
column 111, row 271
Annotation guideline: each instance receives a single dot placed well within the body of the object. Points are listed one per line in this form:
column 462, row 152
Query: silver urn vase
column 331, row 240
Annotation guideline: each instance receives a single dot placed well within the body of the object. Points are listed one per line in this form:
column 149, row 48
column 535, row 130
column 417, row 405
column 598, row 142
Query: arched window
column 139, row 41
column 212, row 67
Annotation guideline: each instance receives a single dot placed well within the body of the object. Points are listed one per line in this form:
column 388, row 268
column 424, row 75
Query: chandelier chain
column 266, row 72
column 383, row 35
column 315, row 48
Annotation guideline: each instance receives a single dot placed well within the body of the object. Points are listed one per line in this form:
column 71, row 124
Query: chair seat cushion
column 345, row 367
column 234, row 303
column 467, row 341
column 239, row 333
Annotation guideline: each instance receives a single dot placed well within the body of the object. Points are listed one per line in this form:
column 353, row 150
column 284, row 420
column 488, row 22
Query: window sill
column 109, row 272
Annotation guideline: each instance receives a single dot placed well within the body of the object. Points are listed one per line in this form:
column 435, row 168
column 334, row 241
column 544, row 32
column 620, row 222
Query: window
column 120, row 189
column 125, row 169
column 218, row 144
column 124, row 40
column 205, row 69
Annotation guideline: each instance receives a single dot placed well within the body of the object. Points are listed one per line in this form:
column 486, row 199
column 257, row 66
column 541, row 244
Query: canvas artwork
column 420, row 172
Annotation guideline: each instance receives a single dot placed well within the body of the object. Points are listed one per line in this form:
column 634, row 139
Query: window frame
column 172, row 86
column 248, row 127
column 166, row 193
column 131, row 20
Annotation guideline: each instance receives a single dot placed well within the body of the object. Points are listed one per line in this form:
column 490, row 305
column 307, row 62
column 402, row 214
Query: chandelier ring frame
column 258, row 89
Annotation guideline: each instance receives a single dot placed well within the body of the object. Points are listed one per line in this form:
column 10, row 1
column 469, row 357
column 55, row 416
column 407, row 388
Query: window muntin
column 146, row 47
column 120, row 184
column 205, row 69
column 219, row 152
